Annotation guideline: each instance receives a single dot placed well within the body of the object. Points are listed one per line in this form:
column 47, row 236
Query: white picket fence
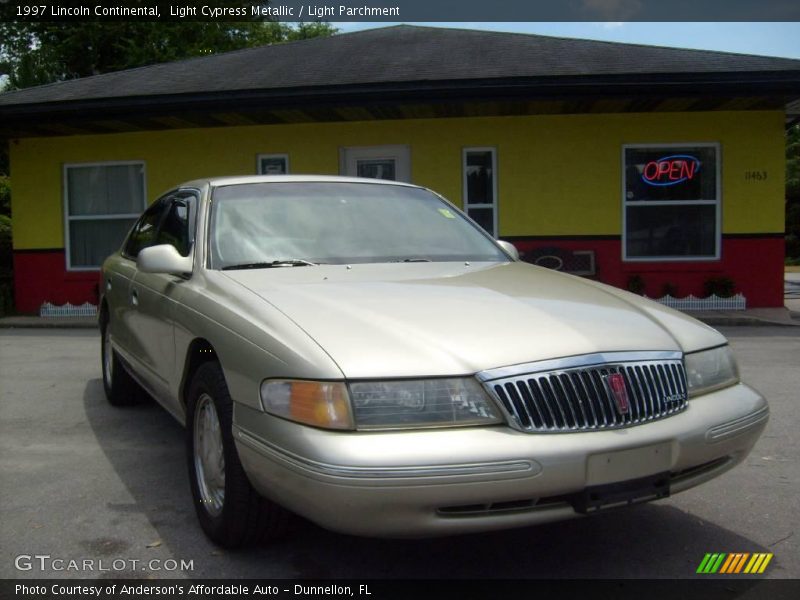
column 714, row 302
column 67, row 310
column 690, row 302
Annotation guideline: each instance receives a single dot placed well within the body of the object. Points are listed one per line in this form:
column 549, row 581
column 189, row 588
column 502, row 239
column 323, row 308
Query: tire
column 231, row 512
column 119, row 386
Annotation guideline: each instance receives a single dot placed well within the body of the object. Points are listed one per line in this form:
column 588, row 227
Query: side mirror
column 163, row 258
column 509, row 248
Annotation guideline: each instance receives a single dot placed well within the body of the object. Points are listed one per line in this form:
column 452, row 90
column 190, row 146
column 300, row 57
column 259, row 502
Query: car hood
column 433, row 319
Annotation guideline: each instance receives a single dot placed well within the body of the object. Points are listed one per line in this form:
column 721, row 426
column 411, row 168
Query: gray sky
column 770, row 39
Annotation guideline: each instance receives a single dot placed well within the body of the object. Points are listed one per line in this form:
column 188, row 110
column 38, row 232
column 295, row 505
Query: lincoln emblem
column 616, row 383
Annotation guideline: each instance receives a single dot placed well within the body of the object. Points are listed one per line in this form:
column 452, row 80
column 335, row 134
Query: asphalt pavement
column 81, row 480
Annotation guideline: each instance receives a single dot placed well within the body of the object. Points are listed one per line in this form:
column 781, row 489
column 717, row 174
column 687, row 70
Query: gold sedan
column 361, row 353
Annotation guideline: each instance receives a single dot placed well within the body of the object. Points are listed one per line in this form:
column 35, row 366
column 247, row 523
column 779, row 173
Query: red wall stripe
column 754, row 263
column 42, row 277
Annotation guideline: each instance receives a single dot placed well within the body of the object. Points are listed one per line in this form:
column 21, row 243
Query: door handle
column 135, row 298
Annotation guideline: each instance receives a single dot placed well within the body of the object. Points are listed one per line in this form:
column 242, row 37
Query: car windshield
column 297, row 223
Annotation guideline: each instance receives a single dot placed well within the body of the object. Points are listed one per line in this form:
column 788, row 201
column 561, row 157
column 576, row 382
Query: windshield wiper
column 291, row 262
column 414, row 260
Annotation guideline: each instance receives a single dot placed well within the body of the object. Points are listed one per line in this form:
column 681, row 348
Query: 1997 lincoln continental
column 361, row 353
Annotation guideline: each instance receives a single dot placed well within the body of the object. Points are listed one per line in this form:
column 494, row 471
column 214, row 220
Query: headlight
column 710, row 370
column 319, row 403
column 415, row 403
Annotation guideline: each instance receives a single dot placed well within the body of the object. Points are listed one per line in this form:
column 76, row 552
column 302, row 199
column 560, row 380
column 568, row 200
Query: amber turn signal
column 319, row 403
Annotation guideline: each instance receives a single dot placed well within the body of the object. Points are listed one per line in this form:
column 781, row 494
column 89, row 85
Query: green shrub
column 6, row 298
column 669, row 289
column 723, row 287
column 636, row 285
column 792, row 246
column 6, row 276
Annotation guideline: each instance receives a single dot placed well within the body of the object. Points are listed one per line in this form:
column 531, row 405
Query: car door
column 154, row 297
column 118, row 282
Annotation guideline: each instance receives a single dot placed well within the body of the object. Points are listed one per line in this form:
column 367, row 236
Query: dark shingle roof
column 400, row 54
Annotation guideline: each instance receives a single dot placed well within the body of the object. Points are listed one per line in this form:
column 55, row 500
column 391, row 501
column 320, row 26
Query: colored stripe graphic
column 704, row 563
column 741, row 562
column 758, row 563
column 711, row 563
column 734, row 563
column 765, row 563
column 728, row 562
column 723, row 563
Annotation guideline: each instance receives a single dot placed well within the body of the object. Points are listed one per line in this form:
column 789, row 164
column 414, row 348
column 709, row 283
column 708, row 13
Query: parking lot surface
column 81, row 480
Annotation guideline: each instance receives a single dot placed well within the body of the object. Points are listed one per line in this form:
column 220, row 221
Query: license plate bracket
column 622, row 493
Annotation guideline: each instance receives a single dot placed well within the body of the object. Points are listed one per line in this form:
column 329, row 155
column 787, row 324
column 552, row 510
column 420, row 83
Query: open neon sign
column 671, row 170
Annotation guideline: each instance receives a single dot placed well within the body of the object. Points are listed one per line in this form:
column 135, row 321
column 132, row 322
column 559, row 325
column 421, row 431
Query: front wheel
column 230, row 511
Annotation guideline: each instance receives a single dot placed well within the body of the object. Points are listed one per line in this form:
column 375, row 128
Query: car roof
column 245, row 179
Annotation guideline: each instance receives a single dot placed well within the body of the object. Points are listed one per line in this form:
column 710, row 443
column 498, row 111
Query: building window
column 273, row 164
column 671, row 202
column 392, row 162
column 101, row 203
column 480, row 187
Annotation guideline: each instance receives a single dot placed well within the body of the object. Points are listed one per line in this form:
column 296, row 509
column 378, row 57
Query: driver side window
column 177, row 227
column 144, row 232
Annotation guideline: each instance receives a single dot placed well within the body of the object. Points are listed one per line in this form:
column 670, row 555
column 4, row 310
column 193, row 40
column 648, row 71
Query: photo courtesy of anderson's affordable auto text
column 197, row 590
column 378, row 301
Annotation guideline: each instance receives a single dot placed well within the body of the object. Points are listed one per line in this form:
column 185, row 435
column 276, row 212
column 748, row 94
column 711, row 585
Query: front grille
column 570, row 399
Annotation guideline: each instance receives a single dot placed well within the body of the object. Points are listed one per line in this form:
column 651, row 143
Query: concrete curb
column 781, row 318
column 48, row 323
column 745, row 321
column 750, row 317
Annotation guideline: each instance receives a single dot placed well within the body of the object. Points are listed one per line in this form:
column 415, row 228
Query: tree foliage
column 793, row 192
column 5, row 196
column 38, row 52
column 793, row 164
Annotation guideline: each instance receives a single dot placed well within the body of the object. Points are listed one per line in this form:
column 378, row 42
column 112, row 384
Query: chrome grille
column 570, row 398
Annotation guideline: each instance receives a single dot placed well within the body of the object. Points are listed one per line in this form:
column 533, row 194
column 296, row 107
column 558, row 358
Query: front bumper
column 446, row 481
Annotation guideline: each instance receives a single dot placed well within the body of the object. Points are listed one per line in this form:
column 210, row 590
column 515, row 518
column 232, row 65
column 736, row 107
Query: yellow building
column 629, row 164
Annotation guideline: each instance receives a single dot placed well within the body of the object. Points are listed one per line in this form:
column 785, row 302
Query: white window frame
column 68, row 218
column 717, row 203
column 495, row 176
column 259, row 157
column 400, row 153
